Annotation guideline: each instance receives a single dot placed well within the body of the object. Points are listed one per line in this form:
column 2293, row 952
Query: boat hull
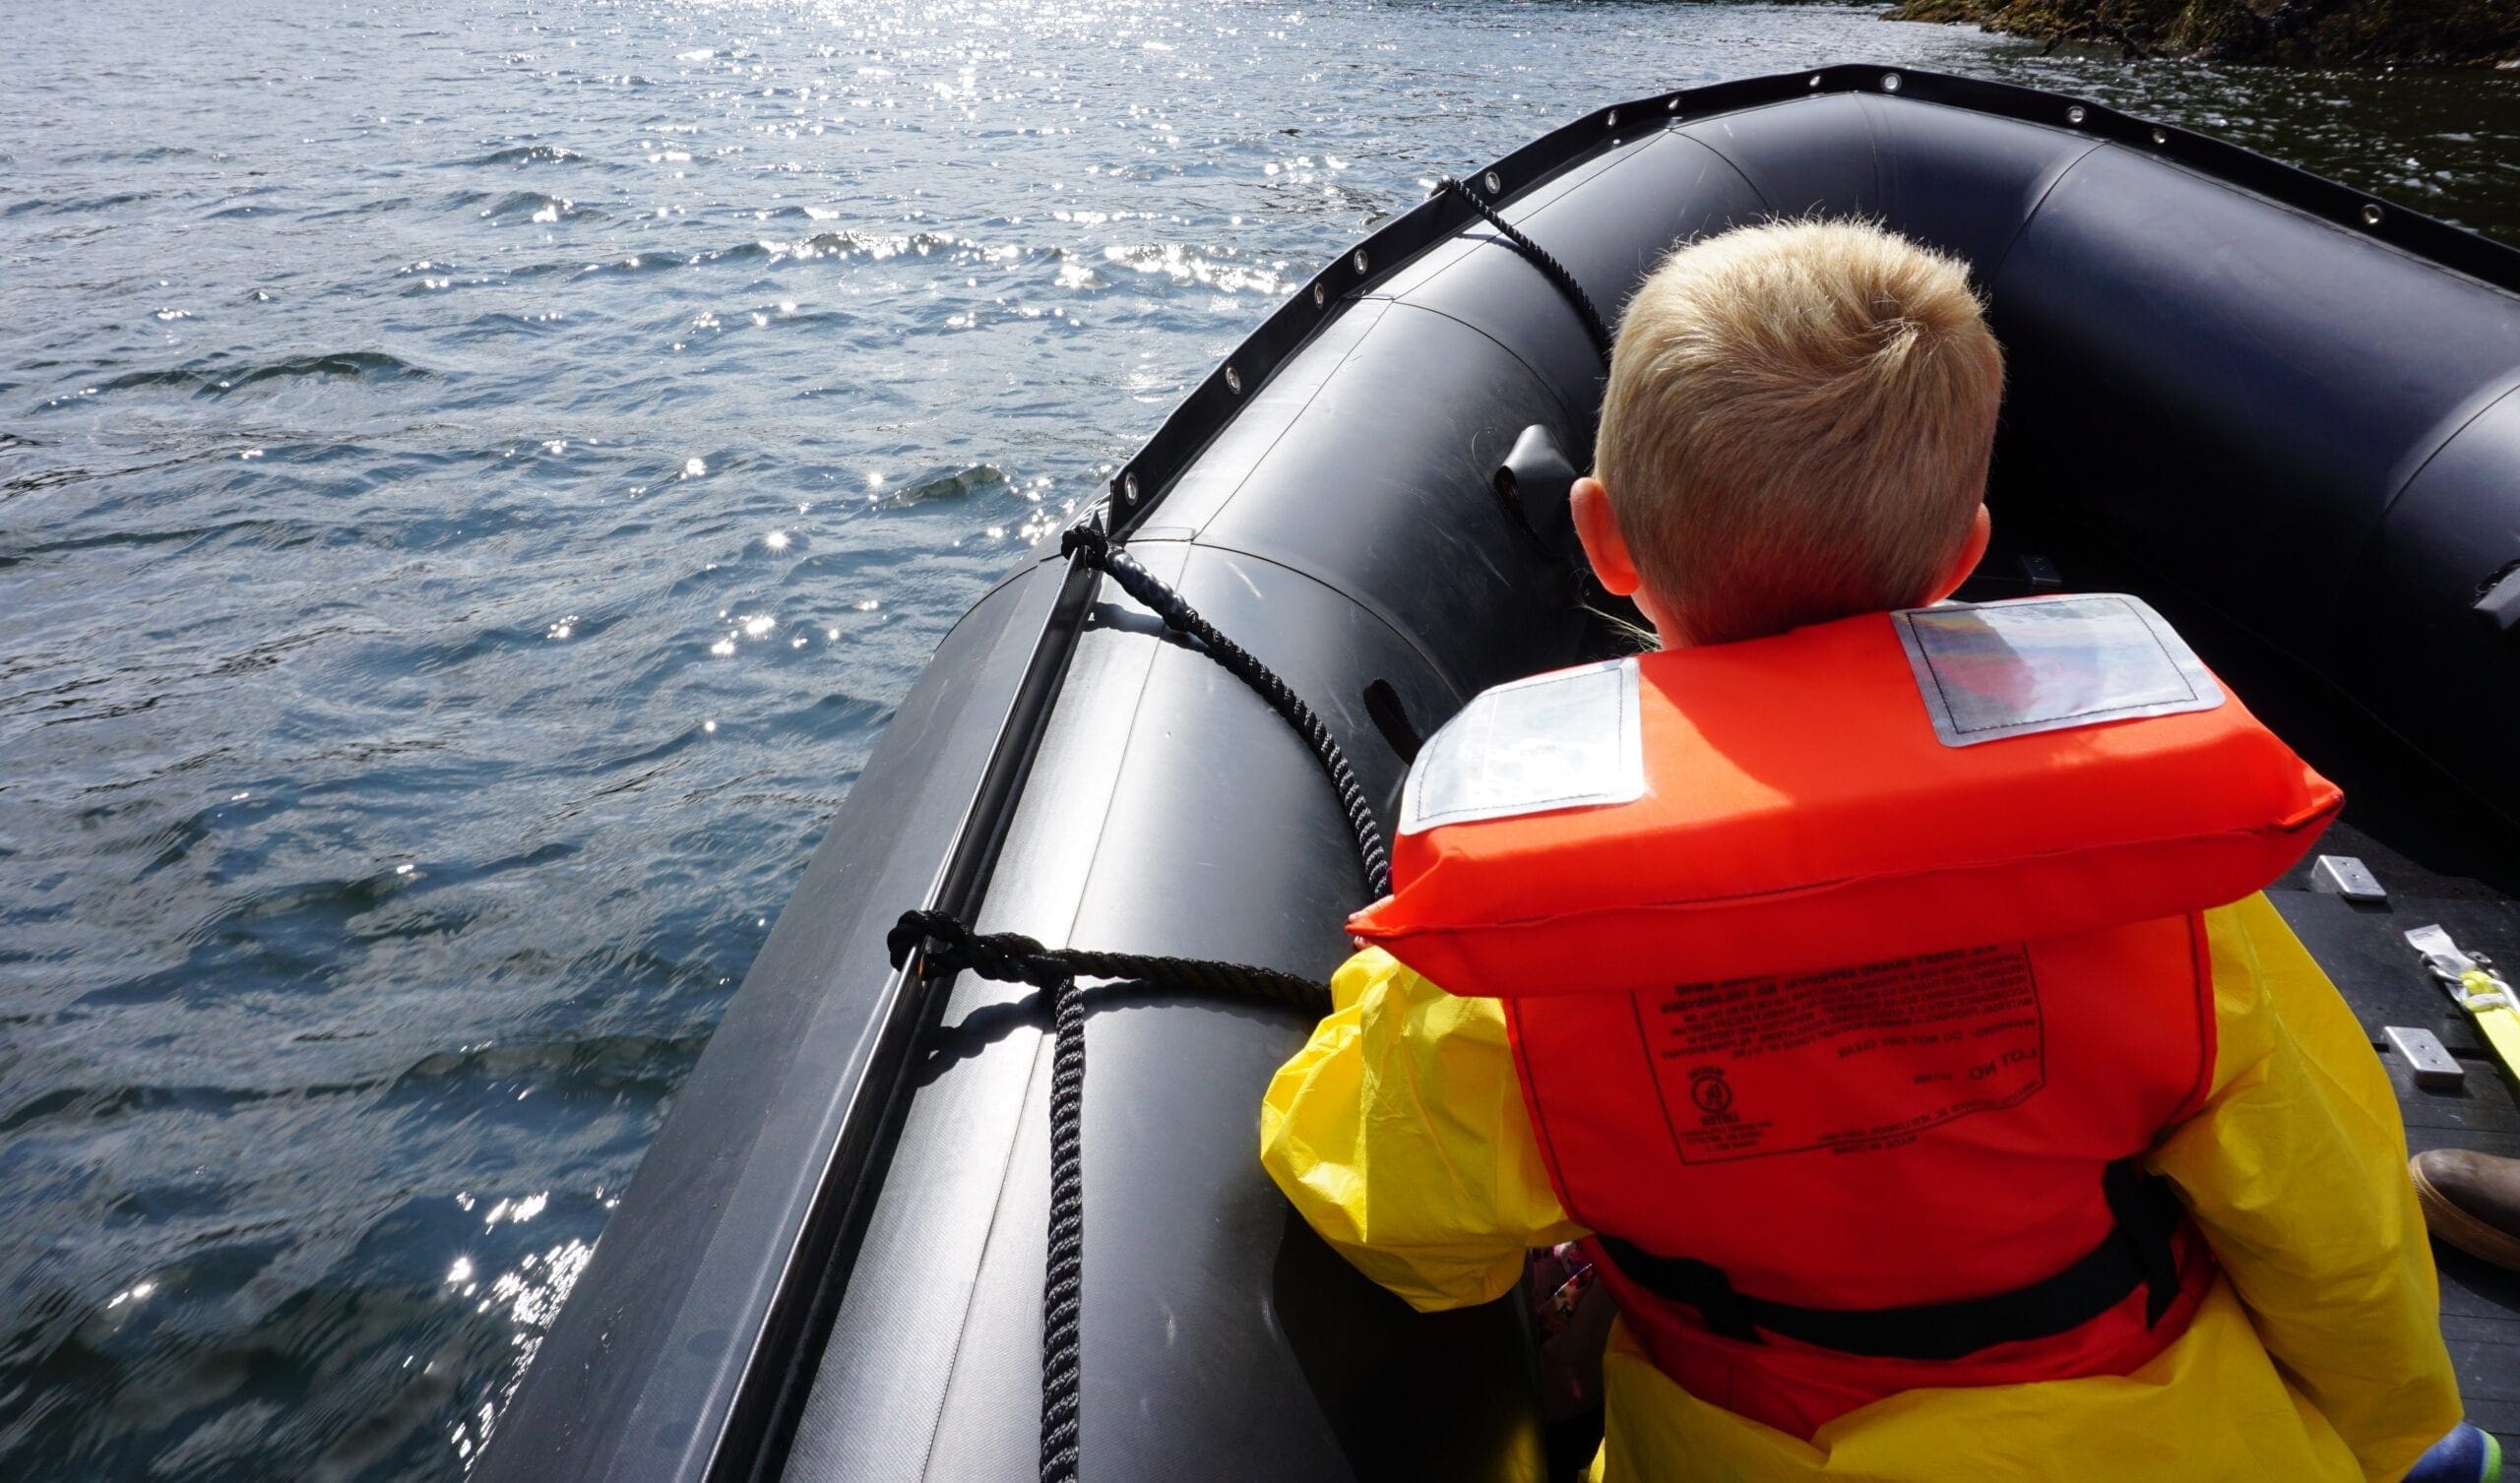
column 2295, row 424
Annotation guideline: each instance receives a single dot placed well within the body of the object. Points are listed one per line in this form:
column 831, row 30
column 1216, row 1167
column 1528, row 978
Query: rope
column 949, row 947
column 1552, row 268
column 1183, row 618
column 1063, row 1279
column 944, row 945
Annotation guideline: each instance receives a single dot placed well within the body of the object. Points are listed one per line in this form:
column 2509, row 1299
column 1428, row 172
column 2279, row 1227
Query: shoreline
column 2450, row 34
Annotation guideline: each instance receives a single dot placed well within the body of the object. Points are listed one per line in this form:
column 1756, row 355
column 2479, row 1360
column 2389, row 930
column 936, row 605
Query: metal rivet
column 1495, row 184
column 1611, row 122
column 2074, row 114
column 1320, row 296
column 2160, row 138
column 1234, row 381
column 1359, row 259
column 1816, row 80
column 1889, row 82
column 1130, row 488
column 1673, row 106
column 2370, row 215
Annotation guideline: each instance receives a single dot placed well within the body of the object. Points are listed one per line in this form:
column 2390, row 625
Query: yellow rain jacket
column 1399, row 1133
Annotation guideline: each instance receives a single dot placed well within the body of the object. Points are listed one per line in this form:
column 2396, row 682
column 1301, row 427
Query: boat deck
column 2363, row 949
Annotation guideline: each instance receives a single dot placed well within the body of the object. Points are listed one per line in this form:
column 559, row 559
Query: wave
column 94, row 1105
column 869, row 246
column 638, row 262
column 604, row 1063
column 875, row 247
column 214, row 380
column 287, row 533
column 519, row 156
column 68, row 208
column 534, row 205
column 952, row 485
column 145, row 155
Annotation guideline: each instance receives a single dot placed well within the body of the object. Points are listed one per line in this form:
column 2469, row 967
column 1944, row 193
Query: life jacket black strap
column 2136, row 1253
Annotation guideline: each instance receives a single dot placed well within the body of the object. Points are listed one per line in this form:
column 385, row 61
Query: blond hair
column 1797, row 425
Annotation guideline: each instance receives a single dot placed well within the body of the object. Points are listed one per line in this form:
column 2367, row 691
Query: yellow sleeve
column 2296, row 1170
column 1399, row 1132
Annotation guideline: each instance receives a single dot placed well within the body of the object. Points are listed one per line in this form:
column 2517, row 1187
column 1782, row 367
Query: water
column 474, row 484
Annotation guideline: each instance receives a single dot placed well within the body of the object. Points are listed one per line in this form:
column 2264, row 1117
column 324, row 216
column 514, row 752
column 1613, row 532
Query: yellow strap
column 2488, row 999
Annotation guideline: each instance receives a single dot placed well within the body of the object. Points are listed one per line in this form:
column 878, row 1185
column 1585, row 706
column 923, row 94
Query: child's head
column 1797, row 429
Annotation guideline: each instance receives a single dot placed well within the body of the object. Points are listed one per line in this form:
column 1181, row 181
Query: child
column 1796, row 430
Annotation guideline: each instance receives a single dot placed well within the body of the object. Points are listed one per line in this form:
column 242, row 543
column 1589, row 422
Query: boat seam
column 1869, row 110
column 1547, row 388
column 1120, row 764
column 1311, row 396
column 1441, row 670
column 1032, row 1076
column 1687, row 131
column 971, row 1297
column 2510, row 388
column 1198, row 533
column 2036, row 207
column 2306, row 214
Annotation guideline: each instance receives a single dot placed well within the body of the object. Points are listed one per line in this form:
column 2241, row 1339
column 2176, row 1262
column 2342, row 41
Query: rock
column 2448, row 32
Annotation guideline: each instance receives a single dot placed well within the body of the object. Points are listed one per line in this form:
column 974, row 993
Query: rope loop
column 1088, row 537
column 947, row 947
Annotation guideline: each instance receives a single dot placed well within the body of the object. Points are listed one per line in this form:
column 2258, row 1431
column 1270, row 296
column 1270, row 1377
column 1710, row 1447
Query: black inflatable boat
column 2285, row 412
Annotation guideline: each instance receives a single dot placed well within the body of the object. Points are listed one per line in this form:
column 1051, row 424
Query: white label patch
column 1998, row 670
column 1567, row 740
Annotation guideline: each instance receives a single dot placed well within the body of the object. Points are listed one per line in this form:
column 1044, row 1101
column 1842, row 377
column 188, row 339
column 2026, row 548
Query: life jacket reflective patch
column 1566, row 740
column 1845, row 1031
column 1990, row 670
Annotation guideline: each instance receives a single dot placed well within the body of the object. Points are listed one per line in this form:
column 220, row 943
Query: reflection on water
column 473, row 481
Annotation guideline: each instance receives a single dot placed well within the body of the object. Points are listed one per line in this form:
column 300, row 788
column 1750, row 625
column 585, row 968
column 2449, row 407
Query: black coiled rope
column 1063, row 1257
column 944, row 945
column 1539, row 257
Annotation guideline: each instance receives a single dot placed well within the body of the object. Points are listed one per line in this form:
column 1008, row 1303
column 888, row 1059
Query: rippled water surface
column 474, row 479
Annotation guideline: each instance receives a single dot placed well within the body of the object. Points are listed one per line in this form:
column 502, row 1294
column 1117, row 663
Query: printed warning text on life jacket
column 1847, row 1060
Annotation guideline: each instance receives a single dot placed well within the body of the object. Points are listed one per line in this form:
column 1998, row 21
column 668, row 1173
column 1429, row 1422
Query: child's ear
column 1598, row 530
column 1972, row 552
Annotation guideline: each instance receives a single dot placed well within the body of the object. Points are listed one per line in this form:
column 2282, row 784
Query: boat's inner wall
column 2249, row 397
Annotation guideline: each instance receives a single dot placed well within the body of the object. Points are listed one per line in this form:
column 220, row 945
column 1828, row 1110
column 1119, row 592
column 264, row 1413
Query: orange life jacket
column 1850, row 972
